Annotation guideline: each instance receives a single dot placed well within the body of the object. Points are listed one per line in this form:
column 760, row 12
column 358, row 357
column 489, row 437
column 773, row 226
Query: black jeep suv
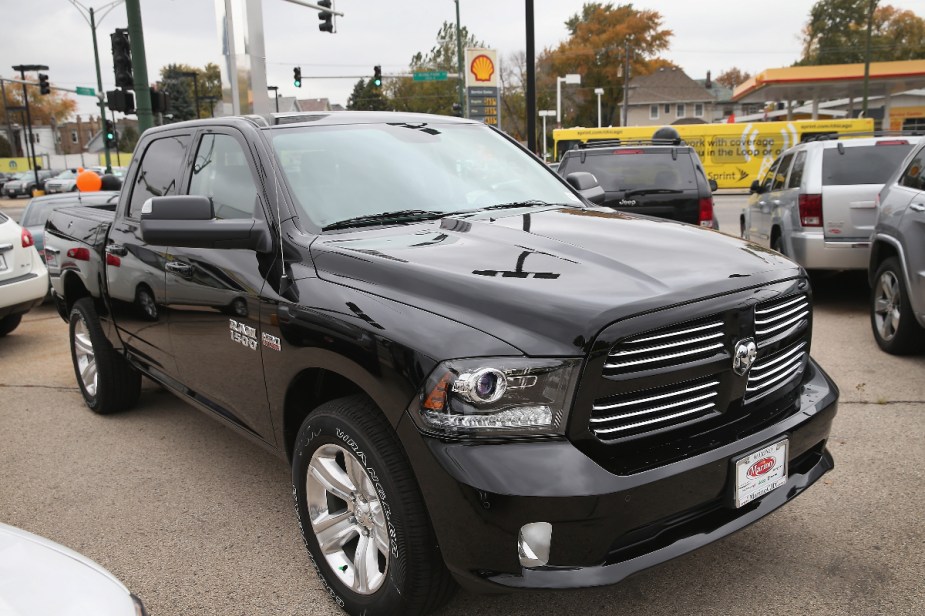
column 660, row 177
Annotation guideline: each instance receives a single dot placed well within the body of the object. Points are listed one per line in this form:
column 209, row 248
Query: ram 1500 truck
column 478, row 375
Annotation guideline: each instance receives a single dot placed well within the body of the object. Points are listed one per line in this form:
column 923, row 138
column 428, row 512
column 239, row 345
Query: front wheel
column 362, row 515
column 891, row 317
column 106, row 379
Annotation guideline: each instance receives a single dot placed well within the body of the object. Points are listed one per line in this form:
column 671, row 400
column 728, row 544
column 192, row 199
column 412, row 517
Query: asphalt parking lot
column 196, row 520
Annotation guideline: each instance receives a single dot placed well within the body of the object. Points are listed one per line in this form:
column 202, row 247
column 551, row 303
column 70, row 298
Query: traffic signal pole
column 139, row 66
column 99, row 90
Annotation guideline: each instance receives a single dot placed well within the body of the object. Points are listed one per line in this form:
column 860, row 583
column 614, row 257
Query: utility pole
column 22, row 68
column 459, row 64
column 626, row 82
column 100, row 96
column 6, row 113
column 139, row 66
column 870, row 19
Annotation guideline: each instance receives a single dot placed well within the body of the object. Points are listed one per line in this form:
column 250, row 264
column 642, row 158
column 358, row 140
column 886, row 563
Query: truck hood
column 545, row 281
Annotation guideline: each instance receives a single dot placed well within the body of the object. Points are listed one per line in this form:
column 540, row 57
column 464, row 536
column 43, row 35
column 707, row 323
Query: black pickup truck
column 478, row 375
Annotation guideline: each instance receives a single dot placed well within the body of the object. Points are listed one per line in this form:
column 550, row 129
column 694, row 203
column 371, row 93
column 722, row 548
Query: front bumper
column 813, row 251
column 605, row 526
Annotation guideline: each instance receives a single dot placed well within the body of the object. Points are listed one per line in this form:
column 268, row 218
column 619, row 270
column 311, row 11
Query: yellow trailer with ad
column 732, row 154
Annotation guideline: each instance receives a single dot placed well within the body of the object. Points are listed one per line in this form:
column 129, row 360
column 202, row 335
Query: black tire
column 416, row 580
column 117, row 384
column 901, row 334
column 778, row 245
column 147, row 305
column 9, row 323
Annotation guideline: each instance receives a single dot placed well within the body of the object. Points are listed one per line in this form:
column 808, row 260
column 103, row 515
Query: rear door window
column 780, row 175
column 796, row 174
column 866, row 164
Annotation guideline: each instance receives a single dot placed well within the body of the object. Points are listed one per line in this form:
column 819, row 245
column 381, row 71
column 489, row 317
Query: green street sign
column 431, row 76
column 86, row 91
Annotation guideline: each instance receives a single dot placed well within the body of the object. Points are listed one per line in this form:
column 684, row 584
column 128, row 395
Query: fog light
column 533, row 544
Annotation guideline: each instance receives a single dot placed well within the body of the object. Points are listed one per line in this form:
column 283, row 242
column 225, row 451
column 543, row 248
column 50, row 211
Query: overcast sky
column 708, row 35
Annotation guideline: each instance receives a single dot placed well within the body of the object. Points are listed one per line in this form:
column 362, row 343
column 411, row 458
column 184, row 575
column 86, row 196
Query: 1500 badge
column 243, row 334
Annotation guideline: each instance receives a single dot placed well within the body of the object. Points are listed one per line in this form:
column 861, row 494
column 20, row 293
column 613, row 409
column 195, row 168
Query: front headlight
column 498, row 396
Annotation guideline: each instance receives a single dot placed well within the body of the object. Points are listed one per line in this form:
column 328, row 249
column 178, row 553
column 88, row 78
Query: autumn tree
column 405, row 94
column 732, row 77
column 600, row 35
column 836, row 33
column 513, row 78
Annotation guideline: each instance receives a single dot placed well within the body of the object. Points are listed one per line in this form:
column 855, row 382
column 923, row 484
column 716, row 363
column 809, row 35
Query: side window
column 796, row 175
column 769, row 177
column 914, row 175
column 780, row 175
column 159, row 171
column 221, row 172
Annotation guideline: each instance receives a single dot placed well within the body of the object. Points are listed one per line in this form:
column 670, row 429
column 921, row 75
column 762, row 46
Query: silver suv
column 816, row 202
column 897, row 260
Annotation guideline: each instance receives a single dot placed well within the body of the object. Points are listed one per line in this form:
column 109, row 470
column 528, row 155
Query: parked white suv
column 816, row 203
column 23, row 277
column 897, row 260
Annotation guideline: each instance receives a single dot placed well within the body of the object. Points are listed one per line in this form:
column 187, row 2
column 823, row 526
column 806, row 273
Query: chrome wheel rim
column 887, row 297
column 347, row 519
column 84, row 356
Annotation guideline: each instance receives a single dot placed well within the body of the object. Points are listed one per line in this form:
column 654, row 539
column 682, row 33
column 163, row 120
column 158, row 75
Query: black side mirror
column 713, row 185
column 189, row 222
column 586, row 185
column 755, row 187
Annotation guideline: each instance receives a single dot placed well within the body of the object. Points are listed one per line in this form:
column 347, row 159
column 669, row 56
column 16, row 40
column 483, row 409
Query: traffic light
column 160, row 102
column 44, row 88
column 377, row 75
column 457, row 110
column 122, row 58
column 121, row 100
column 297, row 76
column 109, row 134
column 326, row 17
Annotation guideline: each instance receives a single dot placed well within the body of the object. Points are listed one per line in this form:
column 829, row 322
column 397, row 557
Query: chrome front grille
column 636, row 412
column 769, row 373
column 780, row 317
column 667, row 347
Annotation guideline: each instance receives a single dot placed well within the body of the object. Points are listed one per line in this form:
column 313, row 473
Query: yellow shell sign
column 482, row 67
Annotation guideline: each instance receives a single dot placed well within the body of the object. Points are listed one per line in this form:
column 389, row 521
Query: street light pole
column 22, row 68
column 459, row 64
column 571, row 78
column 626, row 81
column 545, row 113
column 598, row 91
column 195, row 77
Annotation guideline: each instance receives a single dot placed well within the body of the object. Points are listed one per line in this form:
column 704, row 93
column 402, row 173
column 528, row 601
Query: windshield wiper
column 527, row 203
column 384, row 218
column 653, row 191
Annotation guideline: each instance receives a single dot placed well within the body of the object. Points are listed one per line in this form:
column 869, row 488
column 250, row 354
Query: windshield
column 66, row 175
column 628, row 170
column 344, row 172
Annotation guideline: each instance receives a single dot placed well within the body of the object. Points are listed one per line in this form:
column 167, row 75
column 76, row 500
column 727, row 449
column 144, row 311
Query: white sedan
column 23, row 277
column 39, row 576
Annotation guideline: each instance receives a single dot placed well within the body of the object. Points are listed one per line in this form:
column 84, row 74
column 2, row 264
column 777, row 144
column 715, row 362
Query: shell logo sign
column 482, row 67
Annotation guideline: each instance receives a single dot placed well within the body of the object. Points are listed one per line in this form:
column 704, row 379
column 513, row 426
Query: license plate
column 760, row 472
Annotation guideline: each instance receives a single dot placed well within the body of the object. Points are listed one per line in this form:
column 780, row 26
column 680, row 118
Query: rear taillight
column 113, row 260
column 811, row 210
column 79, row 254
column 27, row 239
column 705, row 217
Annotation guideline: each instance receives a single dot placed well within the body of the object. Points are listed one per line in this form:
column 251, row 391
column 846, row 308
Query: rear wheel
column 9, row 323
column 106, row 379
column 891, row 318
column 362, row 514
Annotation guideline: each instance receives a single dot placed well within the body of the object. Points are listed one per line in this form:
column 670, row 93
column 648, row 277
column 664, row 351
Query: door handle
column 116, row 249
column 917, row 207
column 180, row 268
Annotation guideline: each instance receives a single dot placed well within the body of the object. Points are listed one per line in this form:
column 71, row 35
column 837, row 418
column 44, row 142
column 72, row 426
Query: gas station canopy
column 826, row 82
